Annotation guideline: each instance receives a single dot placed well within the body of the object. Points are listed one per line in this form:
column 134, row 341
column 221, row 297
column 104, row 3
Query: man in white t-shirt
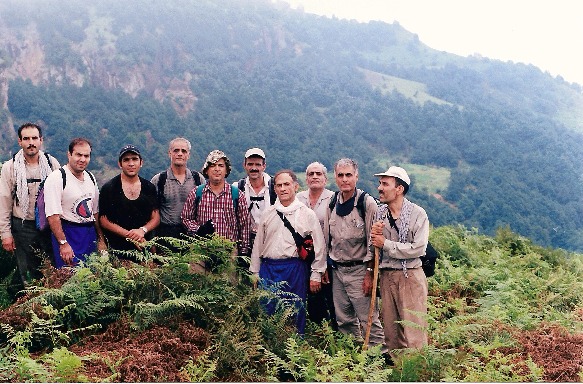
column 71, row 205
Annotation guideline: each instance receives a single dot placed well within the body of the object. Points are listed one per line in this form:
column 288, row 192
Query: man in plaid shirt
column 215, row 212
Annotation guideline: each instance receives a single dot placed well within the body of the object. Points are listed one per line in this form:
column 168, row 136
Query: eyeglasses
column 314, row 173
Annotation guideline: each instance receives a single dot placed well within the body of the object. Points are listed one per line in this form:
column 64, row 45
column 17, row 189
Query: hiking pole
column 373, row 297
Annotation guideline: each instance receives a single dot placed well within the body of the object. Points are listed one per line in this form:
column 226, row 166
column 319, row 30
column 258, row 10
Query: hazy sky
column 545, row 33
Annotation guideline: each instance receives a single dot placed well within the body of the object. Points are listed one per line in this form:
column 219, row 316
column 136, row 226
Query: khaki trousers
column 404, row 299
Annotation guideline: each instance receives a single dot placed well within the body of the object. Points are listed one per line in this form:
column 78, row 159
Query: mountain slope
column 236, row 74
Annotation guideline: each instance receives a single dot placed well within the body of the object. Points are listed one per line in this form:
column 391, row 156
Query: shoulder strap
column 49, row 160
column 241, row 185
column 198, row 195
column 235, row 194
column 195, row 176
column 392, row 220
column 272, row 194
column 333, row 201
column 63, row 176
column 160, row 185
column 199, row 192
column 360, row 205
column 92, row 178
column 297, row 237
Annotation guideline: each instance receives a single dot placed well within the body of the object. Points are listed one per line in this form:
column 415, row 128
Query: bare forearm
column 56, row 227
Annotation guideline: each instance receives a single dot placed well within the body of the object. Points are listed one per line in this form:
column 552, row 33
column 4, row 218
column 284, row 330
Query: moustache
column 31, row 146
column 254, row 171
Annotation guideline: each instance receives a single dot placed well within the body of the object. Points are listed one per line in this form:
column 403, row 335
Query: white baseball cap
column 396, row 172
column 255, row 152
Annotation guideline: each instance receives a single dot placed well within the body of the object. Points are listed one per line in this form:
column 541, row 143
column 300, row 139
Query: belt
column 349, row 263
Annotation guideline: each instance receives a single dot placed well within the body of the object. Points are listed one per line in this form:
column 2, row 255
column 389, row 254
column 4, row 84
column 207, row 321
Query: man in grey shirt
column 401, row 232
column 352, row 273
column 172, row 188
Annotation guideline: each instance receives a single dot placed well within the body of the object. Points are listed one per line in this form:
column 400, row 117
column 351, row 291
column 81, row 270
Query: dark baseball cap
column 129, row 149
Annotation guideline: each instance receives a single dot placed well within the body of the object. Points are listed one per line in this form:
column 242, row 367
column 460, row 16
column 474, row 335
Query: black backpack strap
column 272, row 194
column 92, row 178
column 195, row 176
column 241, row 185
column 298, row 239
column 160, row 185
column 360, row 206
column 64, row 177
column 333, row 201
column 49, row 160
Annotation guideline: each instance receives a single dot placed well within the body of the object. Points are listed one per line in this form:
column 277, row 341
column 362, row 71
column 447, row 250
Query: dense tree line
column 512, row 163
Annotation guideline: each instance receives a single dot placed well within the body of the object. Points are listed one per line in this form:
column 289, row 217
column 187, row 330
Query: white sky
column 545, row 33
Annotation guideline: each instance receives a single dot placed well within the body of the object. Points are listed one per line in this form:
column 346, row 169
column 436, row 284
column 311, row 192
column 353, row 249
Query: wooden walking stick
column 373, row 298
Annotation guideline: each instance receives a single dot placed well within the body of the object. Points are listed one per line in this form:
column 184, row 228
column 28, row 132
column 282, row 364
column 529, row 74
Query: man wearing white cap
column 401, row 232
column 259, row 191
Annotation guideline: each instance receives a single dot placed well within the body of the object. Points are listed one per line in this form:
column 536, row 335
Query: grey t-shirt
column 175, row 194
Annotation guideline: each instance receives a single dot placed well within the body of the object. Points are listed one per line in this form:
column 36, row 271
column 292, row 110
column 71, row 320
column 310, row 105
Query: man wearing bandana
column 401, row 231
column 352, row 260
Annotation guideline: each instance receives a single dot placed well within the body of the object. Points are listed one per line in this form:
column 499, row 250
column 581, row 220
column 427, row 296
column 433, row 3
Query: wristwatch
column 63, row 242
column 144, row 229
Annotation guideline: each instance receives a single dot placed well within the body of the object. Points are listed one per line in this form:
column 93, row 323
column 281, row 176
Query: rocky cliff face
column 23, row 55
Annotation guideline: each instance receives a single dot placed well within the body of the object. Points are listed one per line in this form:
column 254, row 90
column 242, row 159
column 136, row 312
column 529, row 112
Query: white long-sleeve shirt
column 275, row 241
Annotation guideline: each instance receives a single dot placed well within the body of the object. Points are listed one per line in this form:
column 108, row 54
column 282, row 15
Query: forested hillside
column 489, row 144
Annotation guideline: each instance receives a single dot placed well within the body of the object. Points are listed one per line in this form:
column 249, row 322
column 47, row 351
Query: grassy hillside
column 500, row 310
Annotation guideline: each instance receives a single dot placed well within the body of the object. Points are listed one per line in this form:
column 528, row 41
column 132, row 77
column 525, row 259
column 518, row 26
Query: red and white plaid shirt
column 221, row 211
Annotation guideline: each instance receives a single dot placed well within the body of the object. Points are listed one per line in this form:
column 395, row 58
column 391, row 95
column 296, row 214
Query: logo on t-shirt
column 83, row 209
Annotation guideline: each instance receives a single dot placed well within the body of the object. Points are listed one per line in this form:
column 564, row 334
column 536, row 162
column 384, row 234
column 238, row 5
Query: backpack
column 359, row 207
column 40, row 216
column 162, row 182
column 270, row 185
column 234, row 195
column 213, row 261
column 359, row 203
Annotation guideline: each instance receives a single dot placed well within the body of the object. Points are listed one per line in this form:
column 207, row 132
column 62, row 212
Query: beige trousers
column 404, row 299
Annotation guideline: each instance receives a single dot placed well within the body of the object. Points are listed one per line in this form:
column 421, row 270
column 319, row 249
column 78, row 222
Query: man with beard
column 19, row 182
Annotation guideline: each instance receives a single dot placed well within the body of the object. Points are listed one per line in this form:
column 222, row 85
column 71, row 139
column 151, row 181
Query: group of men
column 264, row 216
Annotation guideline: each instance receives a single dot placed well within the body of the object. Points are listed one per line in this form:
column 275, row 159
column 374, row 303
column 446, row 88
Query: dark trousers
column 321, row 305
column 31, row 246
column 167, row 230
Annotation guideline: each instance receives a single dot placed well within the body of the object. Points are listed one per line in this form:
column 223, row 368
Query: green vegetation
column 492, row 304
